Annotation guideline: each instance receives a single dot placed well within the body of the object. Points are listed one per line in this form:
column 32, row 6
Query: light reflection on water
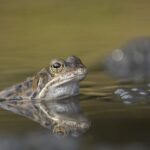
column 115, row 125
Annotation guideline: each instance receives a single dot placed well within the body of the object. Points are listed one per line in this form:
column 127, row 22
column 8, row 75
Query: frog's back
column 57, row 80
column 21, row 90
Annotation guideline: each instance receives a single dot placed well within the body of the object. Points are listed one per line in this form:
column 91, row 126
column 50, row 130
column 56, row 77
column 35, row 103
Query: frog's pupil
column 56, row 65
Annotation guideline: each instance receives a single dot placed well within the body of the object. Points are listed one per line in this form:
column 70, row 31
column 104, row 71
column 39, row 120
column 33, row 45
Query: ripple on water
column 104, row 101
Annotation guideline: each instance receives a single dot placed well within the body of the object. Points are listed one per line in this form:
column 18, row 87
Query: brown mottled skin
column 40, row 97
column 60, row 79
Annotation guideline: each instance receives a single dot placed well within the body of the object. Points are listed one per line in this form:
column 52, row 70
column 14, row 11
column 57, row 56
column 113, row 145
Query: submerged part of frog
column 60, row 79
column 131, row 61
column 60, row 117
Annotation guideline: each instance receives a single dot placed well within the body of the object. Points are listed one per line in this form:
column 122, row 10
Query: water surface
column 33, row 32
column 115, row 123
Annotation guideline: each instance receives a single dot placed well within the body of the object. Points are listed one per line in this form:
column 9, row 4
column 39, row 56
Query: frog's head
column 61, row 78
column 71, row 69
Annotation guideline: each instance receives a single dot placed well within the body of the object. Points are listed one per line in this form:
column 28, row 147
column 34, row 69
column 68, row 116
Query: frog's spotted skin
column 38, row 97
column 60, row 79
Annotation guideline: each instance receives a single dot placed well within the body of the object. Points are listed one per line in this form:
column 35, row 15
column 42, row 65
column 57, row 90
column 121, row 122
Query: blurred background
column 34, row 32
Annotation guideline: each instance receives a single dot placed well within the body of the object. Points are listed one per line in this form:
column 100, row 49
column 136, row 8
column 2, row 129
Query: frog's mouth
column 71, row 79
column 64, row 78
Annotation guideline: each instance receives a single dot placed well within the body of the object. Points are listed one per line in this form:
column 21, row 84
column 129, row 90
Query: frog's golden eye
column 56, row 67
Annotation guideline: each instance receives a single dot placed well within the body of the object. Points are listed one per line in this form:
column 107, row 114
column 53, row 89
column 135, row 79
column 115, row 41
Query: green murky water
column 34, row 32
column 115, row 124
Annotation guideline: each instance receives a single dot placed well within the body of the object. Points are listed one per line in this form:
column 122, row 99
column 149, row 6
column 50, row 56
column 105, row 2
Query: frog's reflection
column 62, row 117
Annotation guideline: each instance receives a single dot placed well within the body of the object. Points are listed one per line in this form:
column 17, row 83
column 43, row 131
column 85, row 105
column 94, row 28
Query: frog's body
column 38, row 97
column 59, row 80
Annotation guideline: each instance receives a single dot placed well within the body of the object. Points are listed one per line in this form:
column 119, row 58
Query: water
column 34, row 32
column 115, row 124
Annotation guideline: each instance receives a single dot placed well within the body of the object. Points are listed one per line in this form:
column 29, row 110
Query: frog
column 59, row 79
column 50, row 97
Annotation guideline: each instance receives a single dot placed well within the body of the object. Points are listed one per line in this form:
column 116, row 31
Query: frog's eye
column 56, row 67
